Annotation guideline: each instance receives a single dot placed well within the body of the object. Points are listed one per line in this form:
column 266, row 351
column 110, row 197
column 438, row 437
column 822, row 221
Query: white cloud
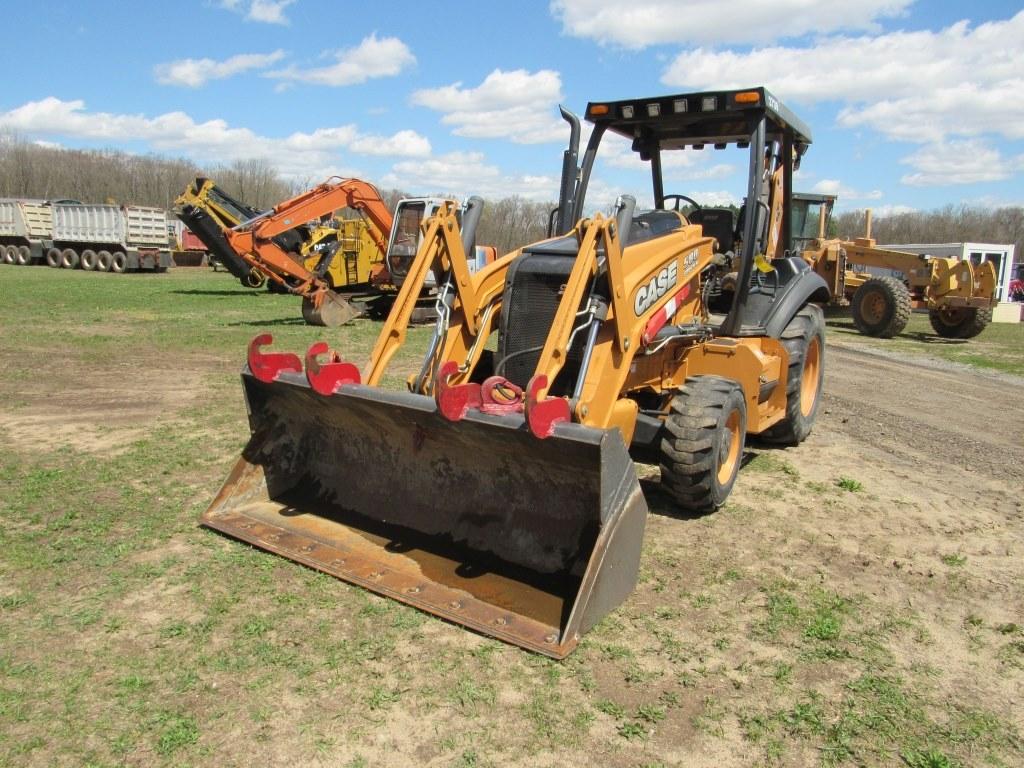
column 517, row 105
column 677, row 166
column 193, row 73
column 373, row 57
column 835, row 187
column 298, row 155
column 468, row 173
column 642, row 23
column 884, row 211
column 967, row 161
column 907, row 85
column 265, row 11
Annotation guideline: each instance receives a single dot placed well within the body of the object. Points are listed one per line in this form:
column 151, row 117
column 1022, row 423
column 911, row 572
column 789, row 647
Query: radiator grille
column 530, row 302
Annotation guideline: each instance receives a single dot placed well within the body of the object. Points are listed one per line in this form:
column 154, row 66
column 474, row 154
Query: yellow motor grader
column 499, row 491
column 958, row 295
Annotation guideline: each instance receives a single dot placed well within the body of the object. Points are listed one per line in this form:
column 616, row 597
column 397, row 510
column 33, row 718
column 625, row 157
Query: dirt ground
column 858, row 601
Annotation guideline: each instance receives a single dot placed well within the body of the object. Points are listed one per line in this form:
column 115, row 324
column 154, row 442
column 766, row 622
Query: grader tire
column 24, row 257
column 702, row 442
column 53, row 258
column 960, row 322
column 881, row 307
column 804, row 340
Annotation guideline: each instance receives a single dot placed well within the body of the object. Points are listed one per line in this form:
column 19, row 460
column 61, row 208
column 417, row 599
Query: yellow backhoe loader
column 500, row 491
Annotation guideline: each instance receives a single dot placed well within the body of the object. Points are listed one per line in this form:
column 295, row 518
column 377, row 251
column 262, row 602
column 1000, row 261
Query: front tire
column 959, row 322
column 702, row 443
column 881, row 307
column 804, row 340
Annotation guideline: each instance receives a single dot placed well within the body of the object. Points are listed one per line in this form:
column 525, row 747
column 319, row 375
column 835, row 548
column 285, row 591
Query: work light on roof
column 708, row 104
column 679, row 105
column 627, row 112
column 653, row 110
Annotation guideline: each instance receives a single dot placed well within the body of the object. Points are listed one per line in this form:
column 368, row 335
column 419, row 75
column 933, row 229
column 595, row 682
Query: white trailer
column 26, row 230
column 109, row 238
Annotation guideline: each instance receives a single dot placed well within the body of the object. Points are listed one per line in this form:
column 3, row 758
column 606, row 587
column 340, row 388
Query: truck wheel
column 118, row 262
column 103, row 261
column 69, row 259
column 9, row 254
column 53, row 257
column 959, row 322
column 881, row 307
column 24, row 255
column 804, row 340
column 702, row 442
column 88, row 260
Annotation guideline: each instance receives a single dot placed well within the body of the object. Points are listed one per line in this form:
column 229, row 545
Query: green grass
column 1000, row 347
column 130, row 636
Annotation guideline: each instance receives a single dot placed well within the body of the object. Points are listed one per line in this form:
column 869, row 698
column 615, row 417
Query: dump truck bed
column 28, row 219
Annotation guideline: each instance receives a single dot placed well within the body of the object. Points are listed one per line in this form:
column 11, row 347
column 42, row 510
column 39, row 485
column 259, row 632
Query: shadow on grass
column 276, row 321
column 847, row 327
column 660, row 502
column 218, row 292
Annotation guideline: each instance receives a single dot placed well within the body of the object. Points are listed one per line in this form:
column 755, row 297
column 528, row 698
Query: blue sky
column 912, row 104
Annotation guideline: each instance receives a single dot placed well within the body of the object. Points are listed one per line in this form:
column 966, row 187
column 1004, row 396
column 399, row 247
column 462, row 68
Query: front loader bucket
column 526, row 540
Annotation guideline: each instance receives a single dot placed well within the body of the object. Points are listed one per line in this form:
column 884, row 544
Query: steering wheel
column 678, row 198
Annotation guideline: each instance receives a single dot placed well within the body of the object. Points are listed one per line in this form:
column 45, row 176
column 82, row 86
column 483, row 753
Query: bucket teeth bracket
column 454, row 401
column 328, row 377
column 268, row 366
column 543, row 415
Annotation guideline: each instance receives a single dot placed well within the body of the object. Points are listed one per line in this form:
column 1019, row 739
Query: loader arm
column 441, row 250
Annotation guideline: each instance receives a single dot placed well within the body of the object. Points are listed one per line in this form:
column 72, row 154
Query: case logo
column 657, row 287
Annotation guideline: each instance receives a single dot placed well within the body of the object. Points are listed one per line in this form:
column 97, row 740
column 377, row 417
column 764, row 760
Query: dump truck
column 26, row 230
column 109, row 238
column 499, row 492
column 69, row 234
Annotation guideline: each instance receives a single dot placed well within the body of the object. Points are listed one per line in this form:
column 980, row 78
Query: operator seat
column 717, row 223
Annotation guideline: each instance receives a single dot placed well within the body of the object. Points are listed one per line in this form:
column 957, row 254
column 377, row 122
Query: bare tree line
column 951, row 224
column 100, row 176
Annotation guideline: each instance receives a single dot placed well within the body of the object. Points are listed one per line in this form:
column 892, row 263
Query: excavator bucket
column 527, row 540
column 334, row 310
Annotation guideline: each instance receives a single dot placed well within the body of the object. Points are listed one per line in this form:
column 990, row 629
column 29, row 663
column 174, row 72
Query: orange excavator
column 256, row 240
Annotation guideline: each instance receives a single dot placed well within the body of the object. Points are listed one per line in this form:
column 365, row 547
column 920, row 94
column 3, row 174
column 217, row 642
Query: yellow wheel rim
column 873, row 307
column 729, row 454
column 811, row 374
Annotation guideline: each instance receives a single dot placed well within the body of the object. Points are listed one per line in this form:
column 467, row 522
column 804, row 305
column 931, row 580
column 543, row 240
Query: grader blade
column 479, row 522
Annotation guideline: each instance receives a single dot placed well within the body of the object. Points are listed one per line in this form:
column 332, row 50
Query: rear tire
column 10, row 254
column 118, row 262
column 69, row 259
column 804, row 340
column 702, row 442
column 53, row 258
column 103, row 261
column 960, row 322
column 24, row 256
column 88, row 260
column 881, row 307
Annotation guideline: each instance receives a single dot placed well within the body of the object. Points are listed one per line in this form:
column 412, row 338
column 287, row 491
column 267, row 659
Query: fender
column 805, row 286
